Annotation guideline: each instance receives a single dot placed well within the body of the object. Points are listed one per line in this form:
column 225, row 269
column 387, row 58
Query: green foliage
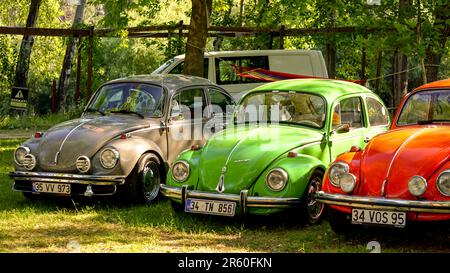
column 119, row 57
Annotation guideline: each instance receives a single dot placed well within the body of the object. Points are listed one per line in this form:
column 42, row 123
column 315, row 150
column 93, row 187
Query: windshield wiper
column 95, row 110
column 125, row 111
column 422, row 122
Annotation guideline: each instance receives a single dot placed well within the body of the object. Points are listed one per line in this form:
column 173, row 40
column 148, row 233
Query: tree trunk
column 66, row 70
column 378, row 70
column 23, row 62
column 400, row 77
column 331, row 60
column 196, row 42
column 434, row 50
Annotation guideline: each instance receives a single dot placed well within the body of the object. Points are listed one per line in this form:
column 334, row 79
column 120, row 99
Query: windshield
column 426, row 107
column 142, row 99
column 163, row 67
column 284, row 107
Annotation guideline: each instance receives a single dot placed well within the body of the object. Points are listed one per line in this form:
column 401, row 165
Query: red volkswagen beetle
column 402, row 175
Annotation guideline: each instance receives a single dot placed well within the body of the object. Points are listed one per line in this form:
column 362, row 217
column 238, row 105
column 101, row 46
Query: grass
column 34, row 122
column 102, row 226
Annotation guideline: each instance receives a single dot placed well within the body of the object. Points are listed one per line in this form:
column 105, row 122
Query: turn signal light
column 292, row 154
column 38, row 134
column 355, row 149
column 124, row 136
column 195, row 147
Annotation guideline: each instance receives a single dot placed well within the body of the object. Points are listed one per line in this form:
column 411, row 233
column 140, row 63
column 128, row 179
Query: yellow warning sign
column 19, row 98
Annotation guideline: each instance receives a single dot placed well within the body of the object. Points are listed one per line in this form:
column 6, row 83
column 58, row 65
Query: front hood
column 243, row 152
column 84, row 136
column 399, row 154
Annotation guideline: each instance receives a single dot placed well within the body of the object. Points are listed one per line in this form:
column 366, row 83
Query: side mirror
column 343, row 128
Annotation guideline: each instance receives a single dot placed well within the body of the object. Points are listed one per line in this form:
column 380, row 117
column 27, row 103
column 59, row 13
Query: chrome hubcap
column 151, row 179
column 315, row 209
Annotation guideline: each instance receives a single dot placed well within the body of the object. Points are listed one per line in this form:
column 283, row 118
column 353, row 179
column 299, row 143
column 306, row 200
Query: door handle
column 367, row 140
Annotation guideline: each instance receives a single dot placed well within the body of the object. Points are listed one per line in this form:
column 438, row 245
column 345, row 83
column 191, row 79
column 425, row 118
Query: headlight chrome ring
column 276, row 179
column 443, row 182
column 180, row 171
column 83, row 164
column 29, row 162
column 417, row 185
column 336, row 170
column 347, row 182
column 109, row 158
column 18, row 158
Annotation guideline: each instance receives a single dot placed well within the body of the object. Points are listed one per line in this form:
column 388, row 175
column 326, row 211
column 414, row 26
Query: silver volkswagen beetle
column 129, row 133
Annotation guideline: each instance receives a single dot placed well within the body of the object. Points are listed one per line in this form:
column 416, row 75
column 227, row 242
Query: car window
column 187, row 104
column 378, row 114
column 179, row 68
column 348, row 111
column 226, row 68
column 221, row 100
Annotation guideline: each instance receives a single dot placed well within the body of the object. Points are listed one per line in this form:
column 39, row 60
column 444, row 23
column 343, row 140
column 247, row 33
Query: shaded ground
column 103, row 226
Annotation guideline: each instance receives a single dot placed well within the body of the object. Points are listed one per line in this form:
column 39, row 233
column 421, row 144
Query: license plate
column 379, row 217
column 223, row 208
column 39, row 187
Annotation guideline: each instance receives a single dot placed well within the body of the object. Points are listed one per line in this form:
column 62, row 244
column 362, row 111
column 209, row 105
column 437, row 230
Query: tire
column 143, row 184
column 339, row 222
column 312, row 210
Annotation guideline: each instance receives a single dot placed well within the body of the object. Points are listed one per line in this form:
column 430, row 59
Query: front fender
column 299, row 169
column 130, row 150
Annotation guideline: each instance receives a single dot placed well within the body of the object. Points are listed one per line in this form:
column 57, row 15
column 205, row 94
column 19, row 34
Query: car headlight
column 443, row 182
column 109, row 158
column 180, row 171
column 417, row 185
column 29, row 162
column 83, row 164
column 20, row 153
column 276, row 179
column 336, row 171
column 347, row 182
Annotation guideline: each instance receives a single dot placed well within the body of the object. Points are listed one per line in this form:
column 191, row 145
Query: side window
column 220, row 100
column 179, row 68
column 348, row 111
column 378, row 114
column 187, row 104
column 227, row 68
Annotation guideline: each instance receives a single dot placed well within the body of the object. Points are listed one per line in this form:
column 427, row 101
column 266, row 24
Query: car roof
column 330, row 89
column 240, row 53
column 436, row 84
column 172, row 82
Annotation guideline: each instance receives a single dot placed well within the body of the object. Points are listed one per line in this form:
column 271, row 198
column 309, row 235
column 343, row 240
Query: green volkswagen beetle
column 284, row 136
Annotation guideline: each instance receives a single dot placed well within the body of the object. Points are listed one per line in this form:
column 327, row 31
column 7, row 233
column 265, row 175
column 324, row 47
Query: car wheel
column 339, row 221
column 313, row 211
column 143, row 184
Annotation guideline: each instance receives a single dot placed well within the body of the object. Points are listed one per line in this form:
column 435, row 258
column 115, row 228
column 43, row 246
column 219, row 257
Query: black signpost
column 19, row 98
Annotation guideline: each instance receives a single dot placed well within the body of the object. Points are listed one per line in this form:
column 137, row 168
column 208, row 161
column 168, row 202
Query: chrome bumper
column 104, row 180
column 90, row 184
column 383, row 203
column 243, row 200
